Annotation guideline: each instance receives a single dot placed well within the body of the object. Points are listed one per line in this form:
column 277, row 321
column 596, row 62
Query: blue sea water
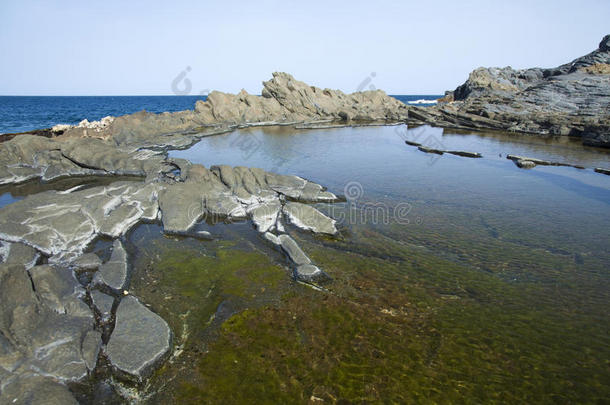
column 25, row 113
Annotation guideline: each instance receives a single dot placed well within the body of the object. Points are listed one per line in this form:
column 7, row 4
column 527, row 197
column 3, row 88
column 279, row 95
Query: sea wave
column 423, row 101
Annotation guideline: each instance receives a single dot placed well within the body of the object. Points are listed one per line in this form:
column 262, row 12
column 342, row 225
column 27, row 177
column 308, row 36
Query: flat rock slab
column 44, row 322
column 308, row 218
column 62, row 224
column 465, row 153
column 103, row 303
column 37, row 390
column 272, row 238
column 87, row 262
column 293, row 250
column 265, row 215
column 309, row 273
column 602, row 171
column 115, row 272
column 18, row 253
column 525, row 164
column 430, row 150
column 140, row 341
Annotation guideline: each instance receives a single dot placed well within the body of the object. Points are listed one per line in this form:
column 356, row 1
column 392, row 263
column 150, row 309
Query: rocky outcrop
column 52, row 327
column 284, row 100
column 572, row 99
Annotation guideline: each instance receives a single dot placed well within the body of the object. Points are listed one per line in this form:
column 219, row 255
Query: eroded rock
column 571, row 99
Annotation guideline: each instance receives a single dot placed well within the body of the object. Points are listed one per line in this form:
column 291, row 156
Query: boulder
column 140, row 341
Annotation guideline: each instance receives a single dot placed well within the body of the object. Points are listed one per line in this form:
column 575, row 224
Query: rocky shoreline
column 66, row 311
column 569, row 100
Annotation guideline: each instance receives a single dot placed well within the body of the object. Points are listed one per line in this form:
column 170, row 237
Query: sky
column 65, row 47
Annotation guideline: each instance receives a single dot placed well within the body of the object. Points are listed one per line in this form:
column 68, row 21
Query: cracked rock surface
column 53, row 327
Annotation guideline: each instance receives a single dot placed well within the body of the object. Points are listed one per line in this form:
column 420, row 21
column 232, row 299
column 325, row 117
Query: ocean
column 26, row 113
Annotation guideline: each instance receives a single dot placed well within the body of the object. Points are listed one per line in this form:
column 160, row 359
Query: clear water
column 493, row 284
column 468, row 280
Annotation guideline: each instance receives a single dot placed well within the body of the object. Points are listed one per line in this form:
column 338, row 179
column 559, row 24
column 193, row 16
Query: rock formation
column 572, row 99
column 53, row 328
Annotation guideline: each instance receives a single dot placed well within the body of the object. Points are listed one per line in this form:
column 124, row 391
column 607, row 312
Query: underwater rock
column 293, row 250
column 115, row 272
column 309, row 273
column 87, row 262
column 103, row 303
column 140, row 341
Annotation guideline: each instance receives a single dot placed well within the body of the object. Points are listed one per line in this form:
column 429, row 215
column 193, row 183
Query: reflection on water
column 495, row 289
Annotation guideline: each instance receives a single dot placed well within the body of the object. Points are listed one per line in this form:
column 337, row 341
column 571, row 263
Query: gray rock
column 36, row 390
column 308, row 218
column 293, row 250
column 43, row 321
column 272, row 238
column 103, row 303
column 87, row 262
column 92, row 344
column 265, row 215
column 571, row 99
column 115, row 272
column 309, row 273
column 62, row 224
column 140, row 340
column 430, row 150
column 464, row 153
column 18, row 253
column 602, row 170
column 525, row 164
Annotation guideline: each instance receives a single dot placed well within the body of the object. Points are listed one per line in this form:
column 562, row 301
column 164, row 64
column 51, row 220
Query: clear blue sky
column 65, row 47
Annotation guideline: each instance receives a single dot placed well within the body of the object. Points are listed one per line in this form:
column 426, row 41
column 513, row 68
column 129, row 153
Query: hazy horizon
column 138, row 48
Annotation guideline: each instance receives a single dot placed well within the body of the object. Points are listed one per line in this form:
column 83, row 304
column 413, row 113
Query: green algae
column 402, row 341
column 425, row 314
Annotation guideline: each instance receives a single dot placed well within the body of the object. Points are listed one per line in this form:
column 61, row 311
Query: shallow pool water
column 453, row 279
